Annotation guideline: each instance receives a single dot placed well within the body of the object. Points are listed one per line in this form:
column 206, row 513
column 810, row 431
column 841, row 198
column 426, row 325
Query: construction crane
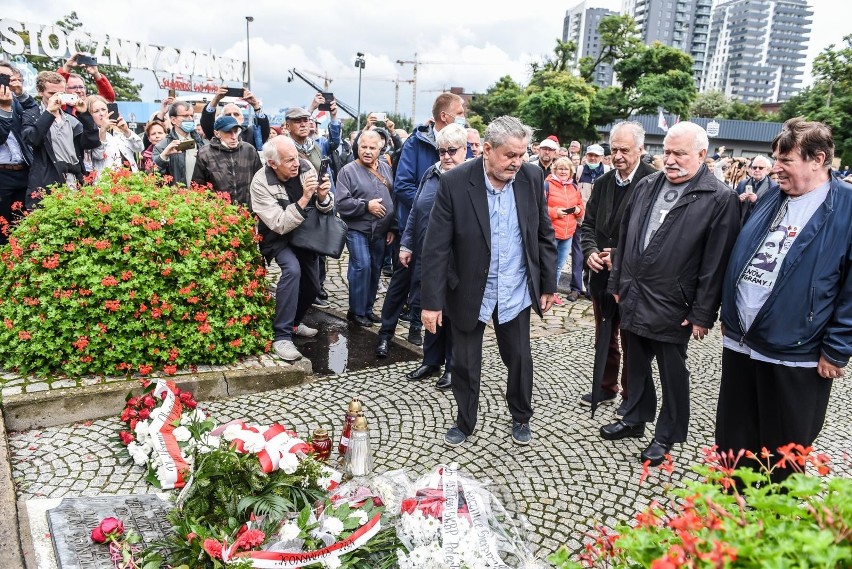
column 326, row 80
column 396, row 83
column 414, row 63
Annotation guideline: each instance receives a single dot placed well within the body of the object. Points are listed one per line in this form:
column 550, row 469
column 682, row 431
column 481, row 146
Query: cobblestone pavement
column 565, row 482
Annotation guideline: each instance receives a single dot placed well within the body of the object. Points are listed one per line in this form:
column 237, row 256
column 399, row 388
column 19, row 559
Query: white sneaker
column 286, row 350
column 305, row 331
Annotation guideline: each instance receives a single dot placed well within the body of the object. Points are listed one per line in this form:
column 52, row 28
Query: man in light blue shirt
column 491, row 255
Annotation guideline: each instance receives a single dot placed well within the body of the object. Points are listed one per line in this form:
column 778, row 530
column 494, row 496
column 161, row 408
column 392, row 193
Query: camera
column 380, row 117
column 68, row 98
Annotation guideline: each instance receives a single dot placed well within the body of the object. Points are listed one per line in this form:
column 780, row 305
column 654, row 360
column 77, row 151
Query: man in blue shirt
column 492, row 254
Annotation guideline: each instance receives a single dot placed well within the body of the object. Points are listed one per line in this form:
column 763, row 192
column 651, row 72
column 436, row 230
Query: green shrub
column 129, row 274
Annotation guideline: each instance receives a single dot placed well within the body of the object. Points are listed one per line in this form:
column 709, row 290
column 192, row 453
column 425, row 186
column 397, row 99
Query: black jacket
column 602, row 222
column 14, row 125
column 679, row 275
column 227, row 169
column 44, row 170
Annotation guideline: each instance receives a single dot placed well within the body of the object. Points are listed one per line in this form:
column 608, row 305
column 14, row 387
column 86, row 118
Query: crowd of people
column 474, row 227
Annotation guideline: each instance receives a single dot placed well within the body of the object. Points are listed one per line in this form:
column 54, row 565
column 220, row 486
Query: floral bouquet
column 165, row 430
column 451, row 520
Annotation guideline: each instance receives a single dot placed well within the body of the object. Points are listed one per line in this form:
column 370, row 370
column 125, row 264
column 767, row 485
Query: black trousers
column 768, row 405
column 438, row 347
column 395, row 298
column 513, row 341
column 673, row 420
column 13, row 188
column 609, row 381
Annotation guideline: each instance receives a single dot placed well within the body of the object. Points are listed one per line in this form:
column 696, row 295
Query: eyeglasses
column 76, row 88
column 758, row 168
column 451, row 151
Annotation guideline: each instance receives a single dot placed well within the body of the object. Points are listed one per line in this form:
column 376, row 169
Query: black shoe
column 621, row 430
column 371, row 316
column 382, row 348
column 320, row 303
column 655, row 453
column 387, row 271
column 415, row 336
column 604, row 398
column 322, row 294
column 359, row 320
column 446, row 381
column 422, row 372
column 405, row 316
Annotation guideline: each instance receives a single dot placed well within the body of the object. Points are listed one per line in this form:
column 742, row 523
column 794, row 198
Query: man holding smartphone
column 227, row 162
column 75, row 84
column 248, row 132
column 176, row 154
column 756, row 184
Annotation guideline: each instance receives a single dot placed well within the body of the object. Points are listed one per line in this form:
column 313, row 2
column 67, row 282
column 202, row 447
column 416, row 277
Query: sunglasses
column 451, row 151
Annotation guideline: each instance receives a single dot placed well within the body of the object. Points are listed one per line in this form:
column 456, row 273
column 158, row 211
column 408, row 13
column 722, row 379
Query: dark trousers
column 438, row 347
column 513, row 341
column 613, row 358
column 13, row 188
column 365, row 267
column 395, row 297
column 673, row 420
column 576, row 262
column 321, row 261
column 768, row 405
column 297, row 288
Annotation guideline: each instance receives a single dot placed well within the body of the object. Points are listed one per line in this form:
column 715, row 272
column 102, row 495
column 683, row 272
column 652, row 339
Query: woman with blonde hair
column 565, row 207
column 119, row 144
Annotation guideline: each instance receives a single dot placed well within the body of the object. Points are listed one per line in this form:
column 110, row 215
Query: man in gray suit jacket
column 492, row 255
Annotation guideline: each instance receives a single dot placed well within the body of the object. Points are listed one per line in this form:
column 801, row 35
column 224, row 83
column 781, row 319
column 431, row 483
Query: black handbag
column 322, row 233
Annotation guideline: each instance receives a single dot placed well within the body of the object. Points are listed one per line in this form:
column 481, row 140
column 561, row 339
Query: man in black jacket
column 56, row 137
column 227, row 163
column 676, row 235
column 610, row 195
column 15, row 155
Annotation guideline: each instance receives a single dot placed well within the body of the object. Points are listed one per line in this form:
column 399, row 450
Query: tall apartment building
column 581, row 25
column 757, row 48
column 684, row 24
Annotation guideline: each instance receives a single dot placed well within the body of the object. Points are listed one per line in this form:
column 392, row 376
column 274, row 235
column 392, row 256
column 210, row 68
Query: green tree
column 657, row 75
column 710, row 104
column 558, row 103
column 502, row 98
column 563, row 53
column 123, row 85
column 608, row 105
column 619, row 39
column 738, row 110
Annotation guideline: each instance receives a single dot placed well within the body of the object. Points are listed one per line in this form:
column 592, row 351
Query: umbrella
column 609, row 309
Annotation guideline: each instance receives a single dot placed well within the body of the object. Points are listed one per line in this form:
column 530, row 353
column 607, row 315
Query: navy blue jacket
column 11, row 124
column 809, row 311
column 419, row 153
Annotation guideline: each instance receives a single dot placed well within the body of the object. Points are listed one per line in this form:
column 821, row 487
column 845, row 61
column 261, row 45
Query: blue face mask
column 594, row 166
column 460, row 121
column 187, row 126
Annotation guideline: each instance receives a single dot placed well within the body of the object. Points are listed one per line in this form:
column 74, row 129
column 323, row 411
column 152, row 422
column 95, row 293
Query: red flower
column 126, row 275
column 185, row 397
column 149, row 401
column 8, row 323
column 205, row 328
column 201, row 317
column 170, row 369
column 98, row 536
column 251, row 538
column 213, row 548
column 112, row 305
column 24, row 335
column 126, row 437
column 144, row 414
column 145, row 369
column 235, row 343
column 81, row 343
column 101, row 244
column 51, row 262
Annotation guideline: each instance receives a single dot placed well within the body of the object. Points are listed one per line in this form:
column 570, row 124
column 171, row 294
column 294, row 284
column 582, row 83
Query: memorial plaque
column 73, row 520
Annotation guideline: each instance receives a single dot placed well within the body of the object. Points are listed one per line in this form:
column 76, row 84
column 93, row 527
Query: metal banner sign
column 19, row 38
column 712, row 129
column 192, row 84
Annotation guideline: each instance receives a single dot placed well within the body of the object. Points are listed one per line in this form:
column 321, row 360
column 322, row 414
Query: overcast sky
column 467, row 44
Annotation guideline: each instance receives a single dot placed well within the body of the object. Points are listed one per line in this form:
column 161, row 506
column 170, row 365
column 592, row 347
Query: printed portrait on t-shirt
column 764, row 267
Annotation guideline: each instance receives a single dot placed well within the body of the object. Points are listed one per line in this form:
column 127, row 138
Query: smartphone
column 86, row 60
column 235, row 92
column 172, row 93
column 113, row 111
column 68, row 98
column 381, row 117
column 749, row 189
column 323, row 169
column 4, row 79
column 186, row 145
column 329, row 97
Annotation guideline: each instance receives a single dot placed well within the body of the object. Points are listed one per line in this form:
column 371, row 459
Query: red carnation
column 126, row 437
column 251, row 538
column 213, row 548
column 149, row 402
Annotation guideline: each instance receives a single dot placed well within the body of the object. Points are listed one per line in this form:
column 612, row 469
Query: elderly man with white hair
column 280, row 192
column 676, row 235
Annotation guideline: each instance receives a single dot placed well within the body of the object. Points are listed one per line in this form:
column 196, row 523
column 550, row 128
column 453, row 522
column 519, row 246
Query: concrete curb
column 11, row 554
column 71, row 405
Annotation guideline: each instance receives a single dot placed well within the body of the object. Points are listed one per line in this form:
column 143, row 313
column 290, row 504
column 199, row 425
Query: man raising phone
column 175, row 155
column 75, row 83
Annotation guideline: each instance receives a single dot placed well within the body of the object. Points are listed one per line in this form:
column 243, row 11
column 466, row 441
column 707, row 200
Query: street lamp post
column 359, row 63
column 249, row 19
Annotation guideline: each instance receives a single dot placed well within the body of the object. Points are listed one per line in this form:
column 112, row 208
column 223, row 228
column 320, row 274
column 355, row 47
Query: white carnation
column 231, row 432
column 288, row 531
column 360, row 515
column 332, row 562
column 142, row 430
column 208, row 443
column 253, row 442
column 137, row 453
column 332, row 526
column 288, row 463
column 182, row 434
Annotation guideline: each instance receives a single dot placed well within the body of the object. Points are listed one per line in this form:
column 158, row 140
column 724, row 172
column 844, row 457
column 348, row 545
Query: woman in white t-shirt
column 119, row 144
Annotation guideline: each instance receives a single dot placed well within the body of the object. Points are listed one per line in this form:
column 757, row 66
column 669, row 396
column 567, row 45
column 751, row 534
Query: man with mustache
column 676, row 235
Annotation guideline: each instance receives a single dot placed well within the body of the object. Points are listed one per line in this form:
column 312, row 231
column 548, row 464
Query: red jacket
column 105, row 89
column 561, row 196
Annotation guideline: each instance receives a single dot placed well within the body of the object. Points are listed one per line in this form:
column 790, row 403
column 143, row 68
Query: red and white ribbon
column 165, row 445
column 280, row 559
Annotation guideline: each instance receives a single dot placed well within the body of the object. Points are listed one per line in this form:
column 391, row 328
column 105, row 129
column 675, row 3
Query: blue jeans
column 563, row 249
column 365, row 266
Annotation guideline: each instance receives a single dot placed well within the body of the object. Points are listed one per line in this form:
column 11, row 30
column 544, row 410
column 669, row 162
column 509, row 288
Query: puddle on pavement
column 341, row 346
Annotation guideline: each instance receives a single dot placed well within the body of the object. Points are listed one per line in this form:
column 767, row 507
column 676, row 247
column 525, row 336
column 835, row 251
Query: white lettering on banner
column 487, row 547
column 450, row 524
column 53, row 41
